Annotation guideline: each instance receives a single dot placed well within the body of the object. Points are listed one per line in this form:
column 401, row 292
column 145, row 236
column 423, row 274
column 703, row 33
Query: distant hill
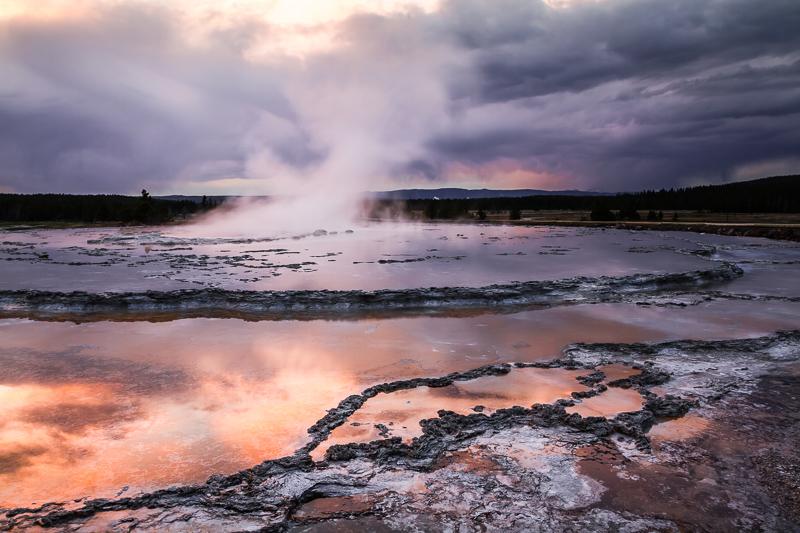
column 454, row 193
column 194, row 198
column 701, row 194
column 444, row 193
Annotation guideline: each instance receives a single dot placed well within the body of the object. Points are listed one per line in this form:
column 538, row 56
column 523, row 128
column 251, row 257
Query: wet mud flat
column 540, row 467
column 659, row 393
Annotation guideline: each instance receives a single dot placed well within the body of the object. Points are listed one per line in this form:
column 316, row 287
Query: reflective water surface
column 90, row 409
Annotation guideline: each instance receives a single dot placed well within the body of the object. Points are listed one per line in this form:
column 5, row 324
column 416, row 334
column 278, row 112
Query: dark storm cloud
column 622, row 95
column 611, row 95
column 533, row 51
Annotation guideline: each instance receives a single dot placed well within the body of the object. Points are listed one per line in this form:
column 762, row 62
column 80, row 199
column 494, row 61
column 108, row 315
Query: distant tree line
column 143, row 209
column 780, row 194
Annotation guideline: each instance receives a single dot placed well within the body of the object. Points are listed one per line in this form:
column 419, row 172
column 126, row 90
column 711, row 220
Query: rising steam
column 365, row 110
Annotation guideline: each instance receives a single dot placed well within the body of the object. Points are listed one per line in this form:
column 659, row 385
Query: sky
column 274, row 96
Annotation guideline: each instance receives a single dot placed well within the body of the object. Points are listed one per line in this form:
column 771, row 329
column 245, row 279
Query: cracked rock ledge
column 309, row 304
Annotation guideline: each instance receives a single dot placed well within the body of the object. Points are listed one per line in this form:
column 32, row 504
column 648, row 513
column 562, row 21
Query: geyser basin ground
column 97, row 404
column 379, row 256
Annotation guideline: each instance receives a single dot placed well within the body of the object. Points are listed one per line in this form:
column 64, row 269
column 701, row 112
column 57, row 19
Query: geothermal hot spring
column 393, row 375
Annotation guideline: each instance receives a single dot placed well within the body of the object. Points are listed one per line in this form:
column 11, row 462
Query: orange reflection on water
column 66, row 441
column 610, row 403
column 258, row 420
column 86, row 409
column 402, row 411
column 682, row 428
